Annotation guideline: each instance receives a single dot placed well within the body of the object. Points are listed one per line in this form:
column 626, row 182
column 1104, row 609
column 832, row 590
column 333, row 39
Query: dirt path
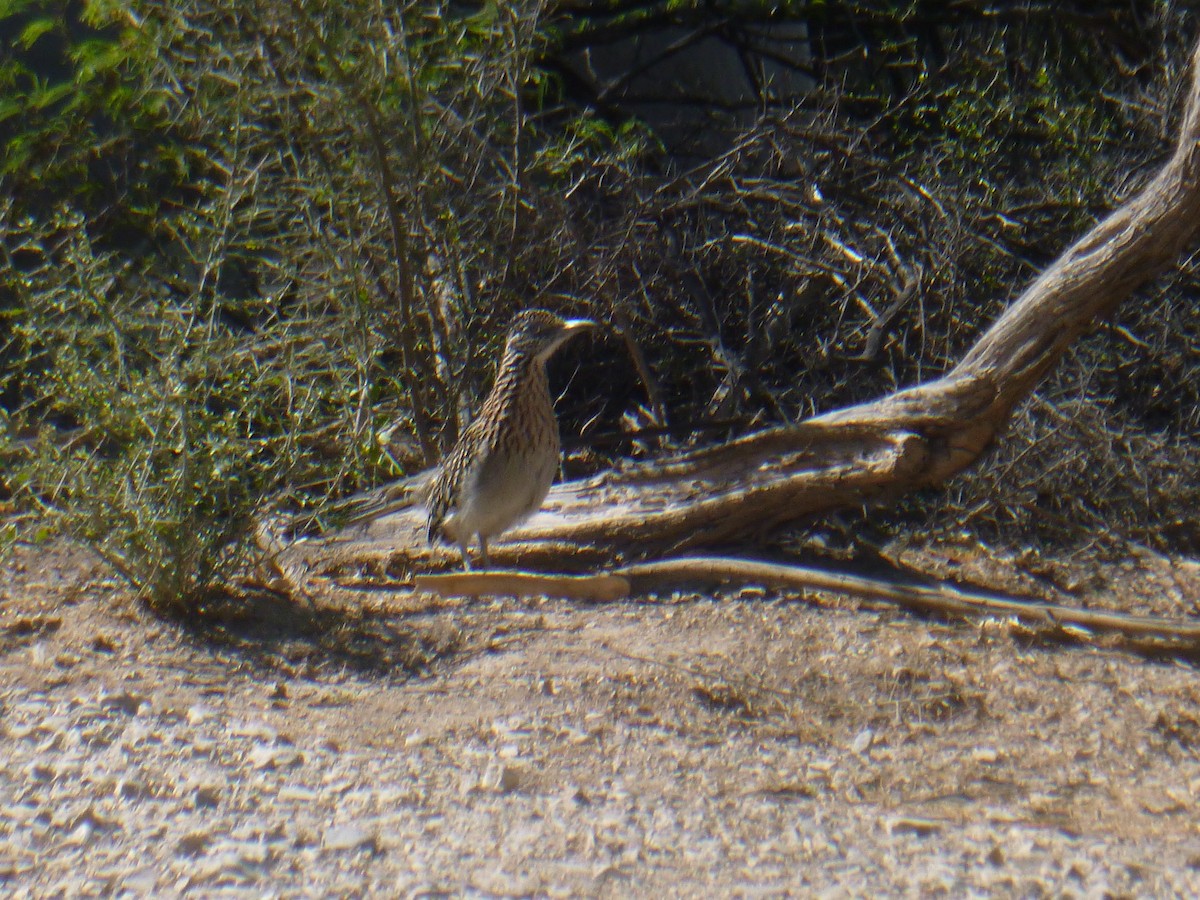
column 684, row 746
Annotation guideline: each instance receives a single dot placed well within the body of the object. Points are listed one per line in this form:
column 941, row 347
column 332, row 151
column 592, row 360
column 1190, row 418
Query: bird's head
column 537, row 333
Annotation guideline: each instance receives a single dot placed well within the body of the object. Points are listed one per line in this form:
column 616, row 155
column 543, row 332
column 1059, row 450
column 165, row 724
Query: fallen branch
column 499, row 583
column 912, row 439
column 941, row 598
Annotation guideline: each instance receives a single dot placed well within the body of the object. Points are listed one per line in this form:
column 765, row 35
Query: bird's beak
column 570, row 326
column 569, row 329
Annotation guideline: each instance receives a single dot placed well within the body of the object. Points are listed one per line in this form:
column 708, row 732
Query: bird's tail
column 383, row 501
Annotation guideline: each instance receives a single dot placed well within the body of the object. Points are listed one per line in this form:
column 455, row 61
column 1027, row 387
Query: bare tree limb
column 1148, row 632
column 911, row 439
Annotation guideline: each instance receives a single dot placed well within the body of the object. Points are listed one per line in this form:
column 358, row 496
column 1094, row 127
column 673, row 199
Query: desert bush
column 861, row 238
column 260, row 254
column 302, row 285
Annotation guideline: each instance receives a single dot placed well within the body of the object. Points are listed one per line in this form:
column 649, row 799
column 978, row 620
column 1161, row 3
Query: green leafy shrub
column 243, row 243
column 307, row 234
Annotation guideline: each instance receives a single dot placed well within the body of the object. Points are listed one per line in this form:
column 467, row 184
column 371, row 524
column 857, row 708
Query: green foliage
column 272, row 277
column 72, row 103
column 227, row 275
column 164, row 429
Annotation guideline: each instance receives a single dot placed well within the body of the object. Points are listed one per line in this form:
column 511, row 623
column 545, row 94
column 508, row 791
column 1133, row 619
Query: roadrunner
column 501, row 469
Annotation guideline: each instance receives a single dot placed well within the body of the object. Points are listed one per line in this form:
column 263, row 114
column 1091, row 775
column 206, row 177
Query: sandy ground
column 744, row 744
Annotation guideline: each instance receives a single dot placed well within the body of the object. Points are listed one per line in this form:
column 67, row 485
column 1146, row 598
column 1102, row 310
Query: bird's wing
column 444, row 491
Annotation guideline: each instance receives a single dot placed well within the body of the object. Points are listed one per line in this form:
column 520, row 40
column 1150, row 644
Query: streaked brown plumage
column 501, row 469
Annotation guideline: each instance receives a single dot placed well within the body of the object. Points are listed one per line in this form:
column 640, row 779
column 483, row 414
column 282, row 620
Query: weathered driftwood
column 911, row 439
column 1148, row 634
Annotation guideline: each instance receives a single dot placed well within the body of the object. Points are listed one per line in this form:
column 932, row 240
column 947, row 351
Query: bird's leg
column 487, row 563
column 462, row 548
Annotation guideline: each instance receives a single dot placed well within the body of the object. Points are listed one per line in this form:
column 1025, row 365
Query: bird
column 501, row 468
